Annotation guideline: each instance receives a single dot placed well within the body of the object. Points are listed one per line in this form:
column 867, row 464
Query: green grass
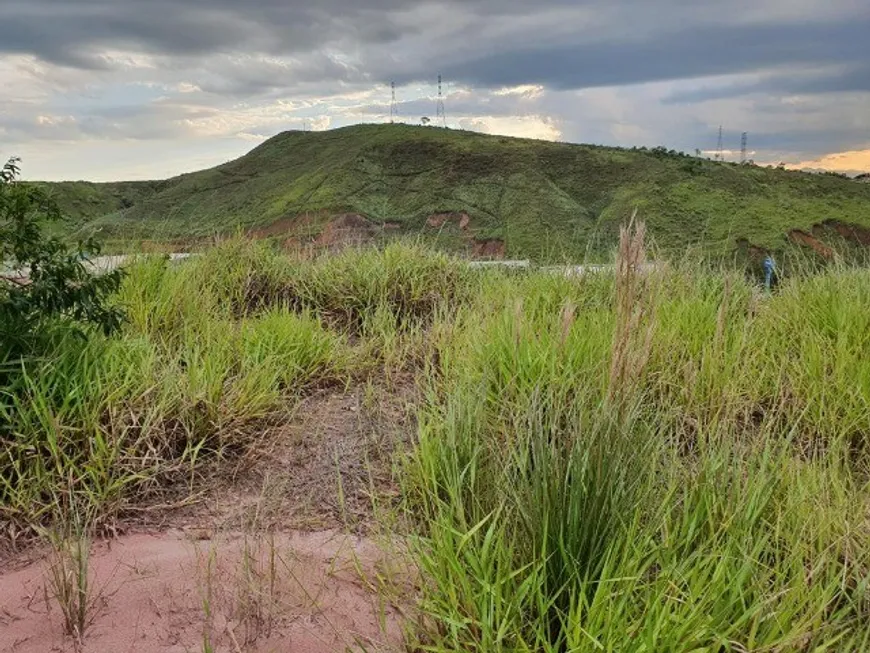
column 83, row 201
column 211, row 351
column 667, row 461
column 546, row 201
column 714, row 503
column 107, row 419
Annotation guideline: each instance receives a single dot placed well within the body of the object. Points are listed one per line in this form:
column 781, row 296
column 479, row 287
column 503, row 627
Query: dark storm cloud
column 803, row 140
column 673, row 40
column 695, row 53
column 213, row 65
column 73, row 32
column 851, row 79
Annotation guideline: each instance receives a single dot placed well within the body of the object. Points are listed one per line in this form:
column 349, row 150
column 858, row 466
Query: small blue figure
column 769, row 269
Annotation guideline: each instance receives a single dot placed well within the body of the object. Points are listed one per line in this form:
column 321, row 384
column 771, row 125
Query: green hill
column 522, row 198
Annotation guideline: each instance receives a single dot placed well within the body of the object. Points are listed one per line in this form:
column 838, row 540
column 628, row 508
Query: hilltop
column 492, row 195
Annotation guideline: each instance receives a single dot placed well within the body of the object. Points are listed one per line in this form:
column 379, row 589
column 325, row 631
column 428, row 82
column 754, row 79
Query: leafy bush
column 42, row 280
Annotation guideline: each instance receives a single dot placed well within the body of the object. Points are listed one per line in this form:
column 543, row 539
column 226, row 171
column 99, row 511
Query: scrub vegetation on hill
column 481, row 194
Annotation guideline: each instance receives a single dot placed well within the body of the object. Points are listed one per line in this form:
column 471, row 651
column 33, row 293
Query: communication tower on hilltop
column 394, row 106
column 719, row 156
column 440, row 113
column 744, row 140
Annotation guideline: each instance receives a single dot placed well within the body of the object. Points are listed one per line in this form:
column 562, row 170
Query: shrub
column 43, row 281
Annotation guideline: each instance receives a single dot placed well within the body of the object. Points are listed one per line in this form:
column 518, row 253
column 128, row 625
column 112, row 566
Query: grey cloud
column 587, row 42
column 786, row 82
column 72, row 33
column 247, row 76
column 258, row 51
column 148, row 121
column 460, row 104
column 698, row 53
column 806, row 142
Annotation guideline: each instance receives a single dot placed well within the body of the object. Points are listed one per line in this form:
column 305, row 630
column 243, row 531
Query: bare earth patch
column 300, row 592
column 489, row 249
column 808, row 240
column 347, row 229
column 460, row 218
column 268, row 547
column 331, row 466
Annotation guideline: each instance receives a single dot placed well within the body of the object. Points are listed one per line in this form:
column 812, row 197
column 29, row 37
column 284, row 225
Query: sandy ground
column 189, row 579
column 301, row 592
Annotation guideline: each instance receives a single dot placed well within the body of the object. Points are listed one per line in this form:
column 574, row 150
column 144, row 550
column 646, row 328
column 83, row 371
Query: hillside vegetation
column 522, row 198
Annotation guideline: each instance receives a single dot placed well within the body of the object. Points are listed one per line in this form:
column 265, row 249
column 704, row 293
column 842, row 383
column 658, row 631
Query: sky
column 139, row 89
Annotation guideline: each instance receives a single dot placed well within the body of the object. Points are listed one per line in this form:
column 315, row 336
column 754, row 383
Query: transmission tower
column 744, row 139
column 719, row 156
column 394, row 107
column 440, row 113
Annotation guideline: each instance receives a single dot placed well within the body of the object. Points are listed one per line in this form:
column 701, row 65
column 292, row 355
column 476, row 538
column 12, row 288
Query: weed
column 621, row 464
column 69, row 580
column 256, row 602
column 207, row 594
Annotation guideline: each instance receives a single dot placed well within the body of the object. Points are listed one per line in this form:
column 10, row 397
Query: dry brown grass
column 636, row 292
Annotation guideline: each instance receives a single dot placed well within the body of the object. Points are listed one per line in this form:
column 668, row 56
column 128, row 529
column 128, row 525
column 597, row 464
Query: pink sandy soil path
column 299, row 592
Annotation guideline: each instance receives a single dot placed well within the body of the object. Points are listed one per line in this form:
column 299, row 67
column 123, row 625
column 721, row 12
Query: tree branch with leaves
column 44, row 281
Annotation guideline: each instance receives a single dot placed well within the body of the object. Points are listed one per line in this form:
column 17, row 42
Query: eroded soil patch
column 275, row 544
column 300, row 592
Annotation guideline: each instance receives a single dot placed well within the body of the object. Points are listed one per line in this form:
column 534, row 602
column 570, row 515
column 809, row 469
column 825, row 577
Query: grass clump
column 402, row 285
column 211, row 352
column 110, row 420
column 656, row 472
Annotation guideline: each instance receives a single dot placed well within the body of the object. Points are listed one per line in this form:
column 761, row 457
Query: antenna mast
column 744, row 140
column 394, row 107
column 719, row 156
column 440, row 114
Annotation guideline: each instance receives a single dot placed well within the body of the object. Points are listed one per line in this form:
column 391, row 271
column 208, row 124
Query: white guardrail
column 567, row 270
column 109, row 263
column 98, row 264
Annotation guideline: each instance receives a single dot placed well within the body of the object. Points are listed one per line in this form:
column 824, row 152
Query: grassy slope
column 544, row 199
column 83, row 201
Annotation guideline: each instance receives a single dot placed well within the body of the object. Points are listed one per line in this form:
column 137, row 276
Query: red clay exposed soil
column 347, row 229
column 489, row 249
column 282, row 226
column 286, row 225
column 459, row 218
column 851, row 232
column 306, row 232
column 808, row 240
column 300, row 592
column 324, row 472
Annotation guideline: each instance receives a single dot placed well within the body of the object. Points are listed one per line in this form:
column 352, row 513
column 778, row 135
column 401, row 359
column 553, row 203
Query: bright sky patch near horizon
column 125, row 89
